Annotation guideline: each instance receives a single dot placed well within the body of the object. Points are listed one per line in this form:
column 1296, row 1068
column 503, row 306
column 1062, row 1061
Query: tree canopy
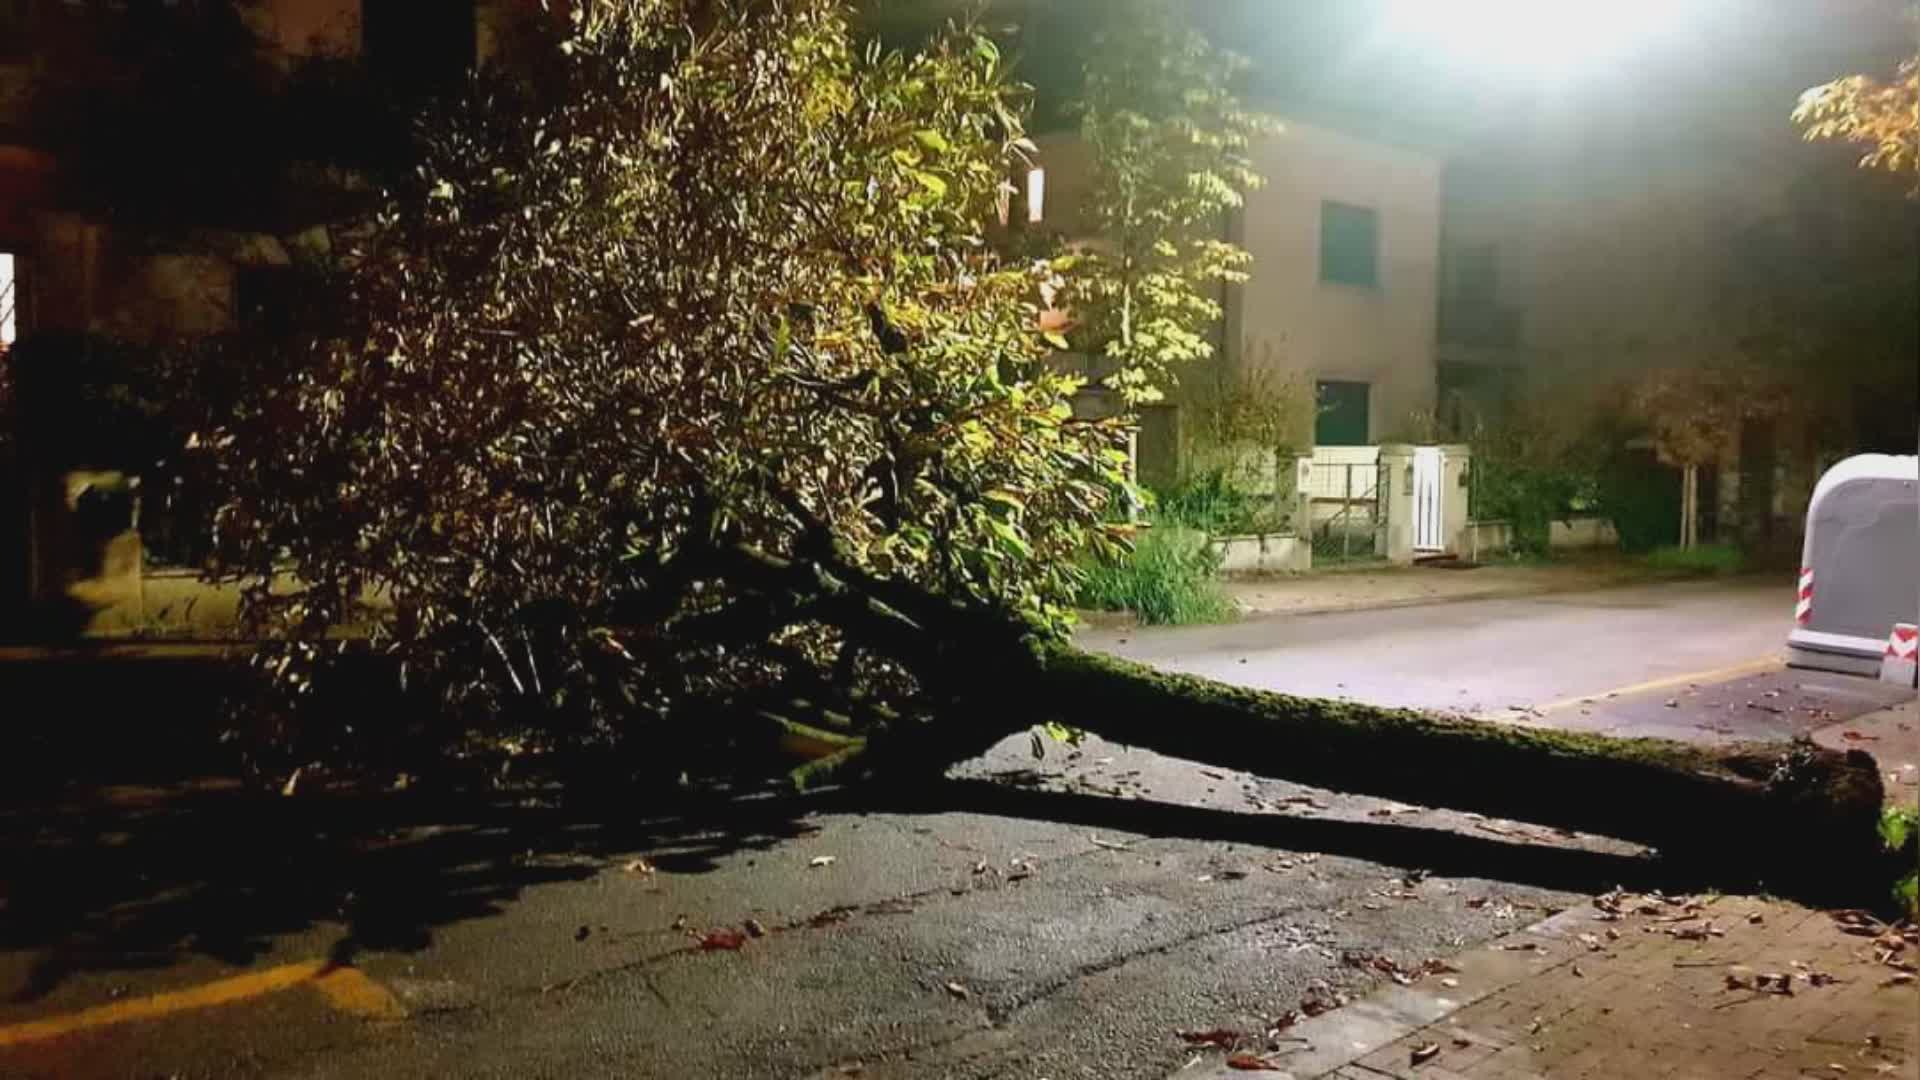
column 683, row 383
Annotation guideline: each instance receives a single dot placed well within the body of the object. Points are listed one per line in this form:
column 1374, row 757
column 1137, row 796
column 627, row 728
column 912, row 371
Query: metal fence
column 1345, row 492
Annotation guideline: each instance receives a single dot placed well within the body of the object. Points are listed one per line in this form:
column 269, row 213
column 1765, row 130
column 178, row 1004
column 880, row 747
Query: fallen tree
column 684, row 407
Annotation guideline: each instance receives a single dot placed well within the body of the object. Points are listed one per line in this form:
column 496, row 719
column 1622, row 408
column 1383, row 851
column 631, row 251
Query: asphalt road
column 1049, row 918
column 1607, row 660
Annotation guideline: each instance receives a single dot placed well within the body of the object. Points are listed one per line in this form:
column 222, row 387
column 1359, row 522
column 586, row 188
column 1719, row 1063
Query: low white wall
column 1582, row 532
column 1266, row 553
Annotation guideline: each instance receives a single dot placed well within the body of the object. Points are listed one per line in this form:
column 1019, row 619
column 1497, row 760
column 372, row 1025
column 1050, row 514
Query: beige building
column 1345, row 240
column 1342, row 302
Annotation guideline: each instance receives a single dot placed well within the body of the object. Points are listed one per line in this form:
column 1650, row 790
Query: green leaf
column 1059, row 732
column 1011, row 537
column 931, row 182
column 1896, row 824
column 1055, row 339
column 932, row 140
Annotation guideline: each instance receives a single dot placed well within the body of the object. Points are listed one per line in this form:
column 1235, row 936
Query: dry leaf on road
column 959, row 991
column 1424, row 1053
column 637, row 866
column 1250, row 1063
column 722, row 938
column 1224, row 1038
column 819, row 861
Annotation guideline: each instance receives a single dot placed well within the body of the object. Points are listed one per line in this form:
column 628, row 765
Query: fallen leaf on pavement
column 819, row 861
column 292, row 781
column 1223, row 1038
column 722, row 938
column 1523, row 946
column 638, row 866
column 1424, row 1053
column 755, row 928
column 832, row 915
column 1855, row 736
column 1250, row 1063
column 1450, row 982
column 959, row 991
column 1591, row 942
column 1477, row 902
column 1901, row 978
column 1110, row 845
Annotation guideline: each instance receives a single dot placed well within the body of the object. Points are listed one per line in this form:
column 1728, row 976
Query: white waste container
column 1860, row 567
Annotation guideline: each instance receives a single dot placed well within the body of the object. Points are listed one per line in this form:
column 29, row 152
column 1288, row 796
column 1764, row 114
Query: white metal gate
column 1429, row 513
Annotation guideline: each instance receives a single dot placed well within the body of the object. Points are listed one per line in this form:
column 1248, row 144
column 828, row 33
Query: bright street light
column 1528, row 37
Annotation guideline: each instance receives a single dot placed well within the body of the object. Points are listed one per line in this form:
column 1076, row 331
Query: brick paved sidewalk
column 1631, row 987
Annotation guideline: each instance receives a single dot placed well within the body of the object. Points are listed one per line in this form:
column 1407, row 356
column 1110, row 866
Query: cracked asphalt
column 977, row 940
column 1052, row 918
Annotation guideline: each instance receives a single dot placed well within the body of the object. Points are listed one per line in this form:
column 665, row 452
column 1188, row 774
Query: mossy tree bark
column 1774, row 815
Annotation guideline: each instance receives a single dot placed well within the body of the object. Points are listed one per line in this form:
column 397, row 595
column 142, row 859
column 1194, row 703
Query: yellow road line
column 345, row 989
column 1751, row 667
column 349, row 990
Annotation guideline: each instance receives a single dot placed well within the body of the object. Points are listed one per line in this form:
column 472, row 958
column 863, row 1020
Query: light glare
column 1527, row 35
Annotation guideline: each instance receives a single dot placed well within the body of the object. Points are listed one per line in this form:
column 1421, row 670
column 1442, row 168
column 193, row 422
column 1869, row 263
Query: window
column 9, row 302
column 1349, row 244
column 1342, row 420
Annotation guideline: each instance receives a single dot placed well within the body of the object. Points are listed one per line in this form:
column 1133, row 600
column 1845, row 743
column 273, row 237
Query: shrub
column 1706, row 559
column 1211, row 502
column 1170, row 577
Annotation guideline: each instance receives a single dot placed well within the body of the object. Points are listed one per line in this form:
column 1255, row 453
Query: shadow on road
column 126, row 878
column 134, row 878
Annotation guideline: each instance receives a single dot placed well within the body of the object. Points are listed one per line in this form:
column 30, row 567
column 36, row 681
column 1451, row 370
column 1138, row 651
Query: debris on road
column 819, row 861
column 722, row 938
column 1223, row 1038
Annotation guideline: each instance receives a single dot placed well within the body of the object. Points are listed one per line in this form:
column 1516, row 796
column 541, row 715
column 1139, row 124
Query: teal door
column 1342, row 419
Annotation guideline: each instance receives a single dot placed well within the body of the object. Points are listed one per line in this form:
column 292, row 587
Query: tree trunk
column 1765, row 813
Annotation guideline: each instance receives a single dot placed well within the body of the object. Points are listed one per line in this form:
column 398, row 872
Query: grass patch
column 1705, row 559
column 1171, row 577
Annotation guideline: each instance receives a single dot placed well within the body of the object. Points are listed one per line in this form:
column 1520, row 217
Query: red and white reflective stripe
column 1803, row 608
column 1904, row 642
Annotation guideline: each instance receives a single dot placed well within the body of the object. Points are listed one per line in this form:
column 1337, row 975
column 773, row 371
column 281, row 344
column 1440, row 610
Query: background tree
column 1169, row 144
column 1694, row 413
column 1882, row 116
